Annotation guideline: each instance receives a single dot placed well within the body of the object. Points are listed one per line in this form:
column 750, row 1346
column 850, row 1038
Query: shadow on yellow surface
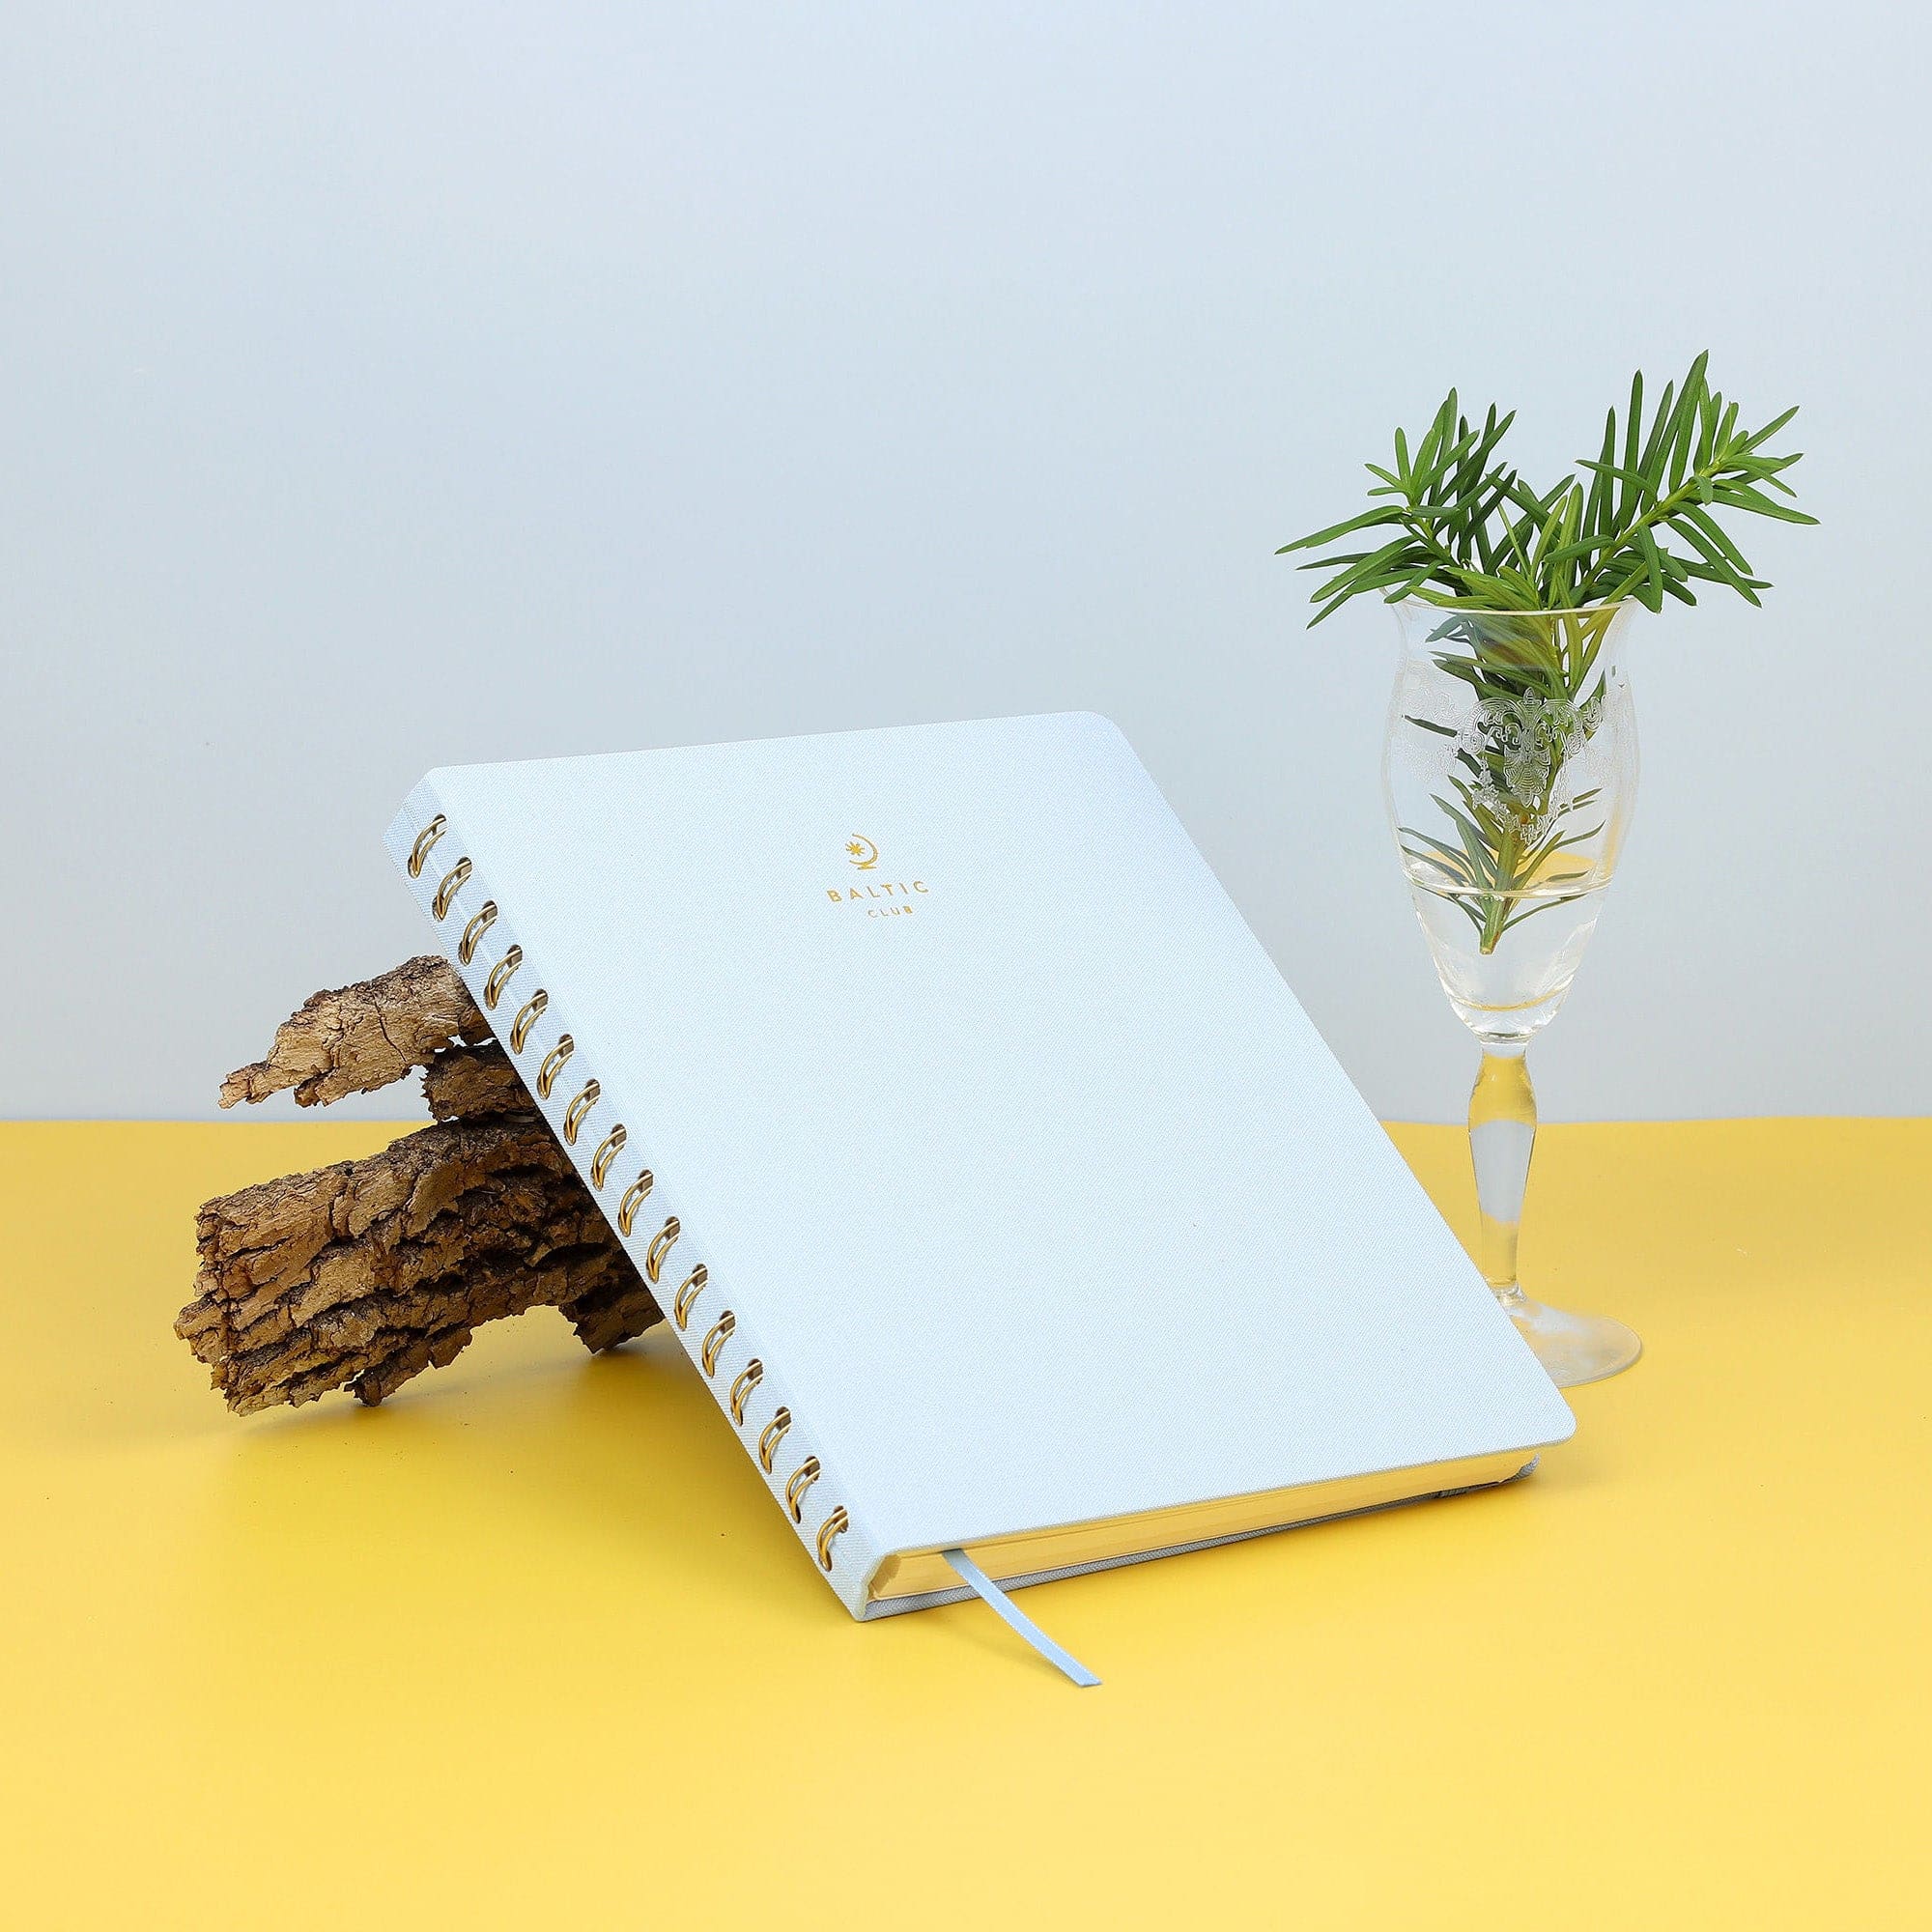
column 529, row 1645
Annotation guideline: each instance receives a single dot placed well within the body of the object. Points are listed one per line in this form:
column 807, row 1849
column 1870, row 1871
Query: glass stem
column 1502, row 1137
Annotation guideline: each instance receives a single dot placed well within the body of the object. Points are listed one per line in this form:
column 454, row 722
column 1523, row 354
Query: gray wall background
column 392, row 386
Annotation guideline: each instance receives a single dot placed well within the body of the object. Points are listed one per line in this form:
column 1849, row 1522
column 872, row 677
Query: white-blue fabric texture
column 1025, row 1179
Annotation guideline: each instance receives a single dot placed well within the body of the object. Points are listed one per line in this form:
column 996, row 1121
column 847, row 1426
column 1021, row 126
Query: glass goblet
column 1510, row 771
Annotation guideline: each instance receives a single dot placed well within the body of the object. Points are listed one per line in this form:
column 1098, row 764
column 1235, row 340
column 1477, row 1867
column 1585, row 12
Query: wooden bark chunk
column 363, row 1274
column 471, row 1082
column 358, row 1039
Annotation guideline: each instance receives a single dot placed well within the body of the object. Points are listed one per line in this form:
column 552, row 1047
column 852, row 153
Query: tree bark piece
column 473, row 1083
column 363, row 1274
column 358, row 1039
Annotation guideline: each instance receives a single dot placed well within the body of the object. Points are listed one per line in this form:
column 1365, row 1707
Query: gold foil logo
column 884, row 898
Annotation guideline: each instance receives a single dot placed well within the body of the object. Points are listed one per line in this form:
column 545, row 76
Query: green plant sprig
column 1466, row 530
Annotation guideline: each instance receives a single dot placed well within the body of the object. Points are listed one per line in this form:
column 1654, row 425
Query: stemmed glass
column 1510, row 771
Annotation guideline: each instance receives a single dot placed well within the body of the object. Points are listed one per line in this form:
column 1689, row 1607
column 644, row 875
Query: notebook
column 1008, row 1205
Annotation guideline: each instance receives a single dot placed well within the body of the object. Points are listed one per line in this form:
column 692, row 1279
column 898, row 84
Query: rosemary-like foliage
column 1540, row 692
column 1466, row 533
column 1464, row 527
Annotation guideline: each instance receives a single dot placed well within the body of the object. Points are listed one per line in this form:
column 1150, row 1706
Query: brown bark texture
column 358, row 1039
column 361, row 1275
column 471, row 1083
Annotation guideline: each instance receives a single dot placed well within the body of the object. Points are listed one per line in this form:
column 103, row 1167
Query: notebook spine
column 532, row 1022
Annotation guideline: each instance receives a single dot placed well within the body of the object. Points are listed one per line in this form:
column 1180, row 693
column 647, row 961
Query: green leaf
column 1742, row 496
column 1770, row 429
column 1368, row 520
column 1635, row 478
column 1633, row 430
column 1651, row 463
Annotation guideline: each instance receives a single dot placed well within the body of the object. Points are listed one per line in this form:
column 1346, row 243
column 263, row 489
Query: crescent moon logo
column 862, row 852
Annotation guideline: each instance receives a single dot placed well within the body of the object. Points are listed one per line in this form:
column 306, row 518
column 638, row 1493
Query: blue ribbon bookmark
column 1016, row 1619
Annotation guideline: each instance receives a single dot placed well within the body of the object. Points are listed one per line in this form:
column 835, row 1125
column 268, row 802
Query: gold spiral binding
column 749, row 1377
column 802, row 1479
column 499, row 977
column 553, row 1065
column 773, row 1434
column 713, row 1343
column 686, row 1295
column 607, row 1151
column 480, row 924
column 634, row 1199
column 452, row 884
column 659, row 1247
column 425, row 839
column 578, row 1109
column 528, row 1016
column 829, row 1531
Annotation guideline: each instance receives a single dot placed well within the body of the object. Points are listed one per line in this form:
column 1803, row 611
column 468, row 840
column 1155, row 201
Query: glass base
column 1573, row 1349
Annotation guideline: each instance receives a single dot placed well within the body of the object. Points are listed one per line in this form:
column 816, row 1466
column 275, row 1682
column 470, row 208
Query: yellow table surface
column 528, row 1645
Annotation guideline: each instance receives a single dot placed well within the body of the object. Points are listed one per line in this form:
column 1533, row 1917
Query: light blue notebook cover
column 1020, row 1174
